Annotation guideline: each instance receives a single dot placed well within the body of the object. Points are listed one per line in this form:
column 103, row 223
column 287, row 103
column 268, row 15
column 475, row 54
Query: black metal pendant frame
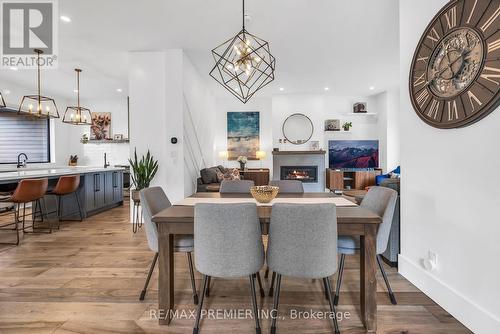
column 2, row 101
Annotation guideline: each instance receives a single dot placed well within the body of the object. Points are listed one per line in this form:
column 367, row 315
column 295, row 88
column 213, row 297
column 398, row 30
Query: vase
column 242, row 166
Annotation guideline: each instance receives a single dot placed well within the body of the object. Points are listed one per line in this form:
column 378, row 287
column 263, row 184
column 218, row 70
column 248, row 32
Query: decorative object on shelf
column 264, row 194
column 360, row 108
column 332, row 125
column 347, row 126
column 455, row 72
column 101, row 126
column 73, row 160
column 85, row 138
column 38, row 105
column 261, row 155
column 243, row 64
column 143, row 172
column 77, row 115
column 353, row 154
column 243, row 161
column 297, row 129
column 2, row 101
column 315, row 145
column 243, row 131
column 117, row 136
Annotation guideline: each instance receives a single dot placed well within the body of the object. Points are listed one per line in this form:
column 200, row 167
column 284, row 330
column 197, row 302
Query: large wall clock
column 455, row 73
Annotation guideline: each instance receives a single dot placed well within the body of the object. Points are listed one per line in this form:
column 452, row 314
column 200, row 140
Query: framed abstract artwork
column 243, row 134
column 101, row 126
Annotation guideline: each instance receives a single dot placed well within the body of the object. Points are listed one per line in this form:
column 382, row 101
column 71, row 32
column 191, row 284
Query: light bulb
column 72, row 116
column 30, row 107
column 257, row 59
column 47, row 108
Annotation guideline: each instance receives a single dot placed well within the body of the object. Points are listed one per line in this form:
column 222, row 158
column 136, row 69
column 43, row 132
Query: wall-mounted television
column 353, row 154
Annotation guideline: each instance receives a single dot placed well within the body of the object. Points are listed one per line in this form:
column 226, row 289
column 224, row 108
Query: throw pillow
column 231, row 174
column 209, row 175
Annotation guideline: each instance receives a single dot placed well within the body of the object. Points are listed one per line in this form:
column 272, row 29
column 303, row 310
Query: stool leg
column 59, row 213
column 271, row 288
column 254, row 304
column 274, row 315
column 79, row 206
column 326, row 281
column 261, row 290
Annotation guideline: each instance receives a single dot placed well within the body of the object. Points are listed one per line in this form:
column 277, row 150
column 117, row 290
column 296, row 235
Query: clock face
column 455, row 73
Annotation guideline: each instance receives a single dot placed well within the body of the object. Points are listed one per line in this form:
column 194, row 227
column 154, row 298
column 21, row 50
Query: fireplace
column 306, row 174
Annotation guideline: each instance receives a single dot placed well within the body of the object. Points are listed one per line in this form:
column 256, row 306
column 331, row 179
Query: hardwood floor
column 86, row 278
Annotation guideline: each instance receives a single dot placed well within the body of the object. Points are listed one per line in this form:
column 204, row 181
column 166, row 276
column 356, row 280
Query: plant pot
column 242, row 166
column 135, row 195
column 72, row 164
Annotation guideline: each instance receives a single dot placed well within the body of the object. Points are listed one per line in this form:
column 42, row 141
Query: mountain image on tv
column 345, row 154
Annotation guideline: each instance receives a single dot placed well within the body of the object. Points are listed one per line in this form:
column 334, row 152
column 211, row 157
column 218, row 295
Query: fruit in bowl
column 264, row 194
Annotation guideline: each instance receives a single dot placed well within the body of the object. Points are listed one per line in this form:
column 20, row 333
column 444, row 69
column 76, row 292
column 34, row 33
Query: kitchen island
column 100, row 188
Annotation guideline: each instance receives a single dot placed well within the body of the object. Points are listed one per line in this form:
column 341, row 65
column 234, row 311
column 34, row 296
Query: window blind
column 23, row 135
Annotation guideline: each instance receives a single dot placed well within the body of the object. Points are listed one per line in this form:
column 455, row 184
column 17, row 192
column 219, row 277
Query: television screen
column 353, row 154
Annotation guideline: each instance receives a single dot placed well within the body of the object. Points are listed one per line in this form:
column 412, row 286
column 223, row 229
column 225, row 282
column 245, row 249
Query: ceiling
column 347, row 46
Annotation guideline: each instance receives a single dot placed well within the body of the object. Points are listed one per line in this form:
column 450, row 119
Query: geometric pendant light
column 38, row 105
column 2, row 101
column 243, row 64
column 77, row 115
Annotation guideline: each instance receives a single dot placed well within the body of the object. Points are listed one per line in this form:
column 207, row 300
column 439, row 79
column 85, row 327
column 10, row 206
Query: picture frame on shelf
column 360, row 108
column 315, row 145
column 118, row 136
column 332, row 125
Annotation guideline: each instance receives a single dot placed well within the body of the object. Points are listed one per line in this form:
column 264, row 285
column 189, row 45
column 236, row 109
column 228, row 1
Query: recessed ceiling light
column 65, row 18
column 119, row 90
column 6, row 92
column 14, row 68
column 327, row 89
column 372, row 88
column 282, row 89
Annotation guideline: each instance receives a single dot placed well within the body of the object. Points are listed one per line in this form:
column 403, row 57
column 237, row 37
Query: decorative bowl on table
column 264, row 194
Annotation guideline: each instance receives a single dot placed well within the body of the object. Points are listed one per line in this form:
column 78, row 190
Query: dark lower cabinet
column 103, row 190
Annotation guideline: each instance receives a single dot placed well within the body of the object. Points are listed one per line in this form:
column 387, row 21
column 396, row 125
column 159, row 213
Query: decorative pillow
column 209, row 175
column 222, row 169
column 231, row 174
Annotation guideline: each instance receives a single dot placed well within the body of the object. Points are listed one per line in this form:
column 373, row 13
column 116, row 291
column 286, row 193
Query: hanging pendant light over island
column 77, row 115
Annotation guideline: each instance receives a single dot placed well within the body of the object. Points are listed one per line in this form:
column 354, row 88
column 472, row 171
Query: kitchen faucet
column 23, row 163
column 106, row 164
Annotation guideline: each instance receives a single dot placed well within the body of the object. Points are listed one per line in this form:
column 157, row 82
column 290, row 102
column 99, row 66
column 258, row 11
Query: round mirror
column 298, row 129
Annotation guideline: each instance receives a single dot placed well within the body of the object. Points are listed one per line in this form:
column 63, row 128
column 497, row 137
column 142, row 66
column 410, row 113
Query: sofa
column 208, row 177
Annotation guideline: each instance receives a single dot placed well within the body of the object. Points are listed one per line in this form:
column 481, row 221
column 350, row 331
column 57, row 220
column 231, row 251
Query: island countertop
column 51, row 172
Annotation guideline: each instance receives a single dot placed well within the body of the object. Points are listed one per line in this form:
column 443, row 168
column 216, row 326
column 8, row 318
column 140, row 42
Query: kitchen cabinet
column 103, row 190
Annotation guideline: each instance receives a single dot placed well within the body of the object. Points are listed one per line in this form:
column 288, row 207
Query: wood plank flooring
column 86, row 278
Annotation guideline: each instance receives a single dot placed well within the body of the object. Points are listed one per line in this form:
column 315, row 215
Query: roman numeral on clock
column 472, row 12
column 419, row 80
column 422, row 97
column 433, row 110
column 473, row 98
column 451, row 18
column 452, row 110
column 423, row 59
column 495, row 45
column 491, row 19
column 491, row 74
column 433, row 35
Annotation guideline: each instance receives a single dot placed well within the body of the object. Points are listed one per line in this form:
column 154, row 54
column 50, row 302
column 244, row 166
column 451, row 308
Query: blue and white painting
column 243, row 130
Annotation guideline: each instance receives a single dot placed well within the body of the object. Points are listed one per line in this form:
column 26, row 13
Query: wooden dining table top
column 345, row 214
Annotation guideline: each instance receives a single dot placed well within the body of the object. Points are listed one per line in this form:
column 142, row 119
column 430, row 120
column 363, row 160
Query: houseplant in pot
column 143, row 172
column 242, row 160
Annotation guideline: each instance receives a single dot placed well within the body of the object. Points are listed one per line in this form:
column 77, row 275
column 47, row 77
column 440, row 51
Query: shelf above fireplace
column 320, row 152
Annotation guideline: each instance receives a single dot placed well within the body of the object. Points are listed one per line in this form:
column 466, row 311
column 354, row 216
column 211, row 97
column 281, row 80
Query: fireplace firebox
column 306, row 174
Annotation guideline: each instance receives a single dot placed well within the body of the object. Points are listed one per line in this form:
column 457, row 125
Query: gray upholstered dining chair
column 303, row 244
column 236, row 186
column 153, row 201
column 382, row 201
column 227, row 244
column 288, row 186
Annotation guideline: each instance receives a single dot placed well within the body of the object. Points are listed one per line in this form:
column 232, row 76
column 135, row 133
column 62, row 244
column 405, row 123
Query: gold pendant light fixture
column 243, row 64
column 77, row 115
column 38, row 105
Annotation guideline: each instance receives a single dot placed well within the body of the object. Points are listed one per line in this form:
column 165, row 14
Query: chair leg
column 266, row 274
column 326, row 281
column 339, row 280
column 143, row 292
column 193, row 282
column 254, row 304
column 207, row 290
column 261, row 290
column 59, row 214
column 391, row 294
column 271, row 288
column 326, row 289
column 196, row 328
column 79, row 206
column 274, row 315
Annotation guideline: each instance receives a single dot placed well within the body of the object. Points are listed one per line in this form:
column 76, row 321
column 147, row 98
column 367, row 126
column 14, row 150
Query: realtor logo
column 27, row 26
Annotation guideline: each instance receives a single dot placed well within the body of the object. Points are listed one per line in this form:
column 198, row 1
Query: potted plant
column 73, row 160
column 347, row 126
column 143, row 172
column 242, row 160
column 85, row 138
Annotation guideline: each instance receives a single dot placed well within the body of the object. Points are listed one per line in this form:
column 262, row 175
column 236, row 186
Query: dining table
column 352, row 220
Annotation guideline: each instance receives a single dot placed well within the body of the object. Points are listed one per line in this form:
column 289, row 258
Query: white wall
column 450, row 199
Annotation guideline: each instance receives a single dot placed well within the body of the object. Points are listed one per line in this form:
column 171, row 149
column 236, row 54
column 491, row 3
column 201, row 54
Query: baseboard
column 473, row 316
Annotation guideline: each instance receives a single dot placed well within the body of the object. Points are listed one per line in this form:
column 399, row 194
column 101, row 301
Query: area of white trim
column 473, row 316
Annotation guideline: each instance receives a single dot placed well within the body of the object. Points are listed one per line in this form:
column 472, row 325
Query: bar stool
column 66, row 185
column 27, row 191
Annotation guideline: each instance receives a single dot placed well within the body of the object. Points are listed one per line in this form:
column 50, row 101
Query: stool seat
column 66, row 185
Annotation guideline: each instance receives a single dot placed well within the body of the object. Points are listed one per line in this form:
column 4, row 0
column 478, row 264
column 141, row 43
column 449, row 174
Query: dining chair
column 153, row 201
column 382, row 201
column 236, row 186
column 288, row 186
column 228, row 244
column 303, row 244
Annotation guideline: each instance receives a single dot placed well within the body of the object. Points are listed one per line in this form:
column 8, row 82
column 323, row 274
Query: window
column 28, row 135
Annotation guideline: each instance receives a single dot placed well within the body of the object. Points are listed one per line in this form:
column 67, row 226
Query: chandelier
column 38, row 105
column 243, row 64
column 77, row 115
column 2, row 101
